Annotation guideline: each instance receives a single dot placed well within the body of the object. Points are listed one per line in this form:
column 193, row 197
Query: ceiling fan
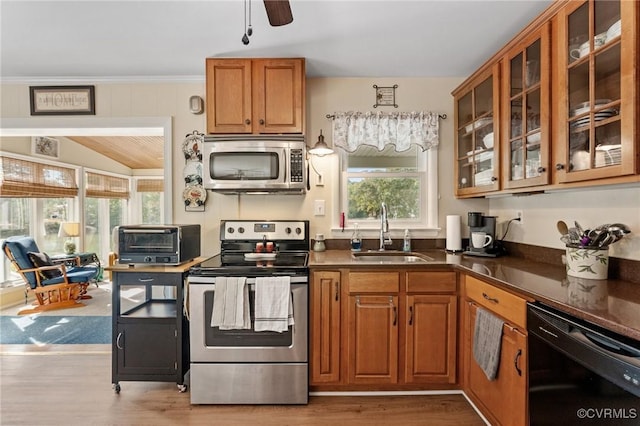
column 278, row 12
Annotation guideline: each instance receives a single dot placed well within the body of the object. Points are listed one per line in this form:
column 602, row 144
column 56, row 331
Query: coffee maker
column 487, row 224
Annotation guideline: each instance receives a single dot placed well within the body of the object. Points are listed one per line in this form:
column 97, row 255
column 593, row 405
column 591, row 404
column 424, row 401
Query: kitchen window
column 106, row 206
column 406, row 181
column 149, row 199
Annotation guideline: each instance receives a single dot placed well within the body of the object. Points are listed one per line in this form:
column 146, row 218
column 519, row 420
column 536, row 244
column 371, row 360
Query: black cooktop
column 233, row 263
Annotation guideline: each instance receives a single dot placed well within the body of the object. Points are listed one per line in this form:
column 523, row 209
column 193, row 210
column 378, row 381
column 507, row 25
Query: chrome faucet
column 385, row 240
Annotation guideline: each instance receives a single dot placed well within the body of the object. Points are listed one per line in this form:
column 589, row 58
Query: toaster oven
column 158, row 244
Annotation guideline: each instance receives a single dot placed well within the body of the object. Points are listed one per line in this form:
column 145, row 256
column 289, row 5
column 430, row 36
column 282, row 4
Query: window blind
column 29, row 179
column 104, row 186
column 150, row 185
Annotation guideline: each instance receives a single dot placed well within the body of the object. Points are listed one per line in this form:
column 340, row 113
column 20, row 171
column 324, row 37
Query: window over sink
column 406, row 181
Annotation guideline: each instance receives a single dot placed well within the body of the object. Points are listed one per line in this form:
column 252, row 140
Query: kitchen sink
column 390, row 257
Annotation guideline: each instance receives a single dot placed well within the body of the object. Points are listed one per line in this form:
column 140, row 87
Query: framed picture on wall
column 45, row 146
column 62, row 100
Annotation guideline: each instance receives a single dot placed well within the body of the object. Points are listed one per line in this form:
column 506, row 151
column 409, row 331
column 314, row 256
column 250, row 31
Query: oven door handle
column 250, row 280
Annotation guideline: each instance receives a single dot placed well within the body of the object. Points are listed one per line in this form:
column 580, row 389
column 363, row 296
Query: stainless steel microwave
column 158, row 244
column 255, row 164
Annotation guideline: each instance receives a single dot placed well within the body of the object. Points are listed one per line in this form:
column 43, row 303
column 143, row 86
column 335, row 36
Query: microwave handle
column 286, row 163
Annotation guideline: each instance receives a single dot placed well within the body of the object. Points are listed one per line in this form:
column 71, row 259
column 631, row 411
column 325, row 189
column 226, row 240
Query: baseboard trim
column 13, row 296
column 386, row 393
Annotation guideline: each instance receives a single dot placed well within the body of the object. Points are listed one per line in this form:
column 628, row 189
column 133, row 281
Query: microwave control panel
column 297, row 169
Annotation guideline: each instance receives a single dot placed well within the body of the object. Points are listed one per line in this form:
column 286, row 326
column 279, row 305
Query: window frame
column 427, row 225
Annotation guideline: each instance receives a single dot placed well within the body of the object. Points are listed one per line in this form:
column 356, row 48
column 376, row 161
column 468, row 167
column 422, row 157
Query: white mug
column 480, row 239
column 580, row 51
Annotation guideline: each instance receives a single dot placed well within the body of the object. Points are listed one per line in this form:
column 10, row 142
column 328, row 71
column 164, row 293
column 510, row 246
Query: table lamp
column 69, row 230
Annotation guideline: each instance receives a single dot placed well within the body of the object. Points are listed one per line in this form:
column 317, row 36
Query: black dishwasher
column 580, row 373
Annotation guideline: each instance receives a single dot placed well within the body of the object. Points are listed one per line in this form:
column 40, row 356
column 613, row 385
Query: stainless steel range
column 238, row 364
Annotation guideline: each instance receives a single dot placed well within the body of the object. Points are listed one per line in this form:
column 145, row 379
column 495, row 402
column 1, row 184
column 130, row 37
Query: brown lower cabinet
column 397, row 330
column 503, row 401
column 383, row 329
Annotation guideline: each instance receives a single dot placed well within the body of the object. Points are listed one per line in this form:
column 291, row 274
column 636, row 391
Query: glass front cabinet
column 557, row 107
column 597, row 90
column 525, row 119
column 477, row 145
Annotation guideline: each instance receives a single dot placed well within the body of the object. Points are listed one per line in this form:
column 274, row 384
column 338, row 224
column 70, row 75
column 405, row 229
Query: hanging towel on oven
column 487, row 339
column 274, row 304
column 231, row 304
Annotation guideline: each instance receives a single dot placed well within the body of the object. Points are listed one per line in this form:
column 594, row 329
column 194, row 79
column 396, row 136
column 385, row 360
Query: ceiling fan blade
column 278, row 12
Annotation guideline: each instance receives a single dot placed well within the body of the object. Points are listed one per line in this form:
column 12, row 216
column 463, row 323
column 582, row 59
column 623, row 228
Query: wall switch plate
column 318, row 208
column 319, row 180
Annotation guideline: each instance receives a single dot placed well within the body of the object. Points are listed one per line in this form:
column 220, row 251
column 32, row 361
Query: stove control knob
column 241, row 230
column 230, row 230
column 298, row 231
column 287, row 230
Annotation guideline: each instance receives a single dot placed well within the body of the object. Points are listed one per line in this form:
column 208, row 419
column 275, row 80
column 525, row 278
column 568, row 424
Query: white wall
column 589, row 207
column 325, row 96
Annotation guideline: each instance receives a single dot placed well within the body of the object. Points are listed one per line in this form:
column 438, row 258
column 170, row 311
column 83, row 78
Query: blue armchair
column 55, row 285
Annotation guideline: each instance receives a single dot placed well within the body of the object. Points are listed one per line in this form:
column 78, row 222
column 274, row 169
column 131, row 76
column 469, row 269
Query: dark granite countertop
column 612, row 304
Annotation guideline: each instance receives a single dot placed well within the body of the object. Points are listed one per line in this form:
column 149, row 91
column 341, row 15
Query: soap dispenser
column 356, row 241
column 406, row 245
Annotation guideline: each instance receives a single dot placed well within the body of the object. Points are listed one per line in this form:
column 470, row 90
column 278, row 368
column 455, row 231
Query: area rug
column 58, row 330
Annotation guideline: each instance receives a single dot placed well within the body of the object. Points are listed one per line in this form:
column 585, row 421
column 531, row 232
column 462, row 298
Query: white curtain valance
column 379, row 129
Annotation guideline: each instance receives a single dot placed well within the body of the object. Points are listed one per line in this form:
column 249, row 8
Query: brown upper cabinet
column 525, row 120
column 261, row 96
column 565, row 102
column 477, row 147
column 597, row 99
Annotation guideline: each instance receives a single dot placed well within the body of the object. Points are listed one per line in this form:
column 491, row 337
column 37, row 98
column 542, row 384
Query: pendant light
column 320, row 148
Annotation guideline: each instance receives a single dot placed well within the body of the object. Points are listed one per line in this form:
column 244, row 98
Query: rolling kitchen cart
column 150, row 331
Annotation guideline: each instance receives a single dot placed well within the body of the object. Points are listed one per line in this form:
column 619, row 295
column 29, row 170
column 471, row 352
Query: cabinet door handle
column 410, row 315
column 261, row 122
column 516, row 360
column 247, row 121
column 146, row 280
column 493, row 178
column 118, row 341
column 489, row 298
column 337, row 288
column 559, row 166
column 541, row 169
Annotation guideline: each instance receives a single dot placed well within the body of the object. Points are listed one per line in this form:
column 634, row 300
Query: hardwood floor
column 71, row 385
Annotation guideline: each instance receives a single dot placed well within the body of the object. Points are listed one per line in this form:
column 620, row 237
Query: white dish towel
column 273, row 304
column 231, row 304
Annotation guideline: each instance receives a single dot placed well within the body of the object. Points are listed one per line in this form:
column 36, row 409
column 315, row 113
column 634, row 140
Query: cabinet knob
column 261, row 122
column 493, row 178
column 559, row 166
column 541, row 169
column 247, row 121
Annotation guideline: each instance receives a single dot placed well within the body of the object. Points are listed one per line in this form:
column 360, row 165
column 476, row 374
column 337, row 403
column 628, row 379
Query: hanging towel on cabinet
column 487, row 339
